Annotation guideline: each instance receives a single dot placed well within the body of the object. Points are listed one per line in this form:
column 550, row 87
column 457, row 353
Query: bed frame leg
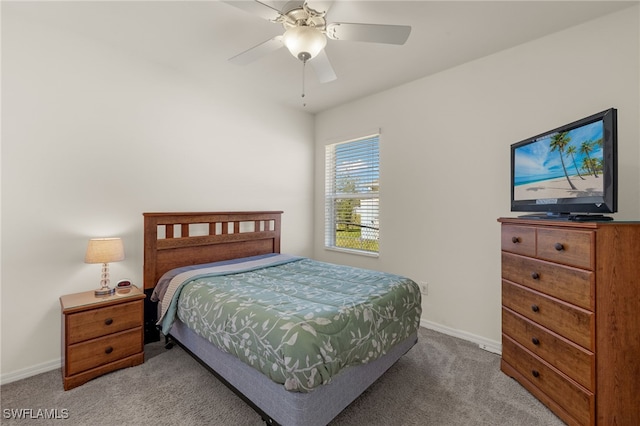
column 269, row 421
column 168, row 344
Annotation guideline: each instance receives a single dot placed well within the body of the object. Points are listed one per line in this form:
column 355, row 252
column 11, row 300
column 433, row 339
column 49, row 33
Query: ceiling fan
column 306, row 32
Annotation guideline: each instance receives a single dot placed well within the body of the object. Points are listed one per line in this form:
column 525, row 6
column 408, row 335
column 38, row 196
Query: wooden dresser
column 571, row 316
column 100, row 334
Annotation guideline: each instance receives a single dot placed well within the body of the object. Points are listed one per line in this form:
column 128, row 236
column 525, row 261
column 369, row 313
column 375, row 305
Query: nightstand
column 101, row 334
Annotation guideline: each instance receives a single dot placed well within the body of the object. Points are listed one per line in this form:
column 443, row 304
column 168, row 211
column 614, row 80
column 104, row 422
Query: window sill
column 353, row 251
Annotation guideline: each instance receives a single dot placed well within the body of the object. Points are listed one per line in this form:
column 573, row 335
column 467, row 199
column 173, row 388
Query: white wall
column 91, row 139
column 445, row 162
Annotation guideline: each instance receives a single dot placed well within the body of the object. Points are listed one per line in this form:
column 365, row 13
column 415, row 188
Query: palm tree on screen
column 571, row 152
column 591, row 165
column 558, row 142
column 586, row 148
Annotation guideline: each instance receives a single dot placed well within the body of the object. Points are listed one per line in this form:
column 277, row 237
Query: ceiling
column 197, row 38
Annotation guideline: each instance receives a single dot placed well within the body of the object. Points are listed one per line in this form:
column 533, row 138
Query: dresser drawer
column 572, row 285
column 519, row 239
column 565, row 246
column 569, row 321
column 93, row 353
column 573, row 360
column 577, row 401
column 87, row 325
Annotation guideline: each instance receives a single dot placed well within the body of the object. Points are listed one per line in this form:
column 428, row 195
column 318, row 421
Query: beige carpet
column 440, row 381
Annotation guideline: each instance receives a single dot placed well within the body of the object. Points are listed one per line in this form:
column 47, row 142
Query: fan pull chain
column 304, row 65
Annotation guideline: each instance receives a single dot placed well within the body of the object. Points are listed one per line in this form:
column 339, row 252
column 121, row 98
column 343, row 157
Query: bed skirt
column 271, row 400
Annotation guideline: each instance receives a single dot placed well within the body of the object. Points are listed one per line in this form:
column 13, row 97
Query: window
column 352, row 178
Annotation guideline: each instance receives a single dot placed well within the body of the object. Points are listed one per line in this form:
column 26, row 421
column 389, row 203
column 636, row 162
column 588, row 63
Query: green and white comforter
column 296, row 320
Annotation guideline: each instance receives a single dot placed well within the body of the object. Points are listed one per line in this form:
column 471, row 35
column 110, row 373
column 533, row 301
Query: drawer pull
column 108, row 321
column 535, row 275
column 515, row 240
column 559, row 246
column 535, row 308
column 535, row 373
column 108, row 350
column 535, row 341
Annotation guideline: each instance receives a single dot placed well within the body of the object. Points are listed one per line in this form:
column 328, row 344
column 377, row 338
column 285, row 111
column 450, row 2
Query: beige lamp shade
column 104, row 250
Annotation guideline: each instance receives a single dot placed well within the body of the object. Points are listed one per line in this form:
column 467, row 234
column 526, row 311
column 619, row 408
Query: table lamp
column 104, row 250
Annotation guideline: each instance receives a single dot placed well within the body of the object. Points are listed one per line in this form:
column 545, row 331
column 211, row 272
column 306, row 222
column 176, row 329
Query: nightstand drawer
column 519, row 239
column 567, row 320
column 567, row 246
column 86, row 355
column 573, row 360
column 87, row 325
column 570, row 284
column 577, row 401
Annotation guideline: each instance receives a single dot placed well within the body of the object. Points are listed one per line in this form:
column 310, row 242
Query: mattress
column 298, row 321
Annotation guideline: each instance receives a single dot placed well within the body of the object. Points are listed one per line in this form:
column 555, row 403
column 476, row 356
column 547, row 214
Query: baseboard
column 31, row 371
column 486, row 344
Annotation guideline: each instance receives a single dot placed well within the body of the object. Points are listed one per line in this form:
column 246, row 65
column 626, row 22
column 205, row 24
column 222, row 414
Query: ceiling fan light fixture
column 304, row 42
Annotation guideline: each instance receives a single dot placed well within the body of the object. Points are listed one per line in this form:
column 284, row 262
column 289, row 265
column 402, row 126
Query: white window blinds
column 352, row 179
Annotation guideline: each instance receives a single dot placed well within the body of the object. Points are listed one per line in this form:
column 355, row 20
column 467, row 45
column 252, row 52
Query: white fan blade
column 375, row 33
column 320, row 7
column 257, row 8
column 258, row 51
column 323, row 68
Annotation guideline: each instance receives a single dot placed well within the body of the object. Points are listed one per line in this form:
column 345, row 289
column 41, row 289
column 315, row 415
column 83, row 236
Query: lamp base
column 105, row 291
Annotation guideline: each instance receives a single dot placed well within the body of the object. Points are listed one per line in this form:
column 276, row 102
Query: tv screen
column 569, row 172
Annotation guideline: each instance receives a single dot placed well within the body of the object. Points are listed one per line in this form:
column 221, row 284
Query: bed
column 297, row 359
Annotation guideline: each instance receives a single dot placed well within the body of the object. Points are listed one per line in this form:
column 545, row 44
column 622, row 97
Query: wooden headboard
column 172, row 240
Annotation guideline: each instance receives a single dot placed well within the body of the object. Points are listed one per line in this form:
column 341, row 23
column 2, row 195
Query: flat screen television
column 568, row 173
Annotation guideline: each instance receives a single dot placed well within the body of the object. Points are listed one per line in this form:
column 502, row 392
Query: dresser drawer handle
column 535, row 308
column 535, row 373
column 108, row 350
column 515, row 240
column 108, row 321
column 535, row 275
column 559, row 246
column 535, row 341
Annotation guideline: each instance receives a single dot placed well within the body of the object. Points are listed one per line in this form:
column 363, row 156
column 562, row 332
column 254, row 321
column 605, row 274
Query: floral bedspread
column 301, row 321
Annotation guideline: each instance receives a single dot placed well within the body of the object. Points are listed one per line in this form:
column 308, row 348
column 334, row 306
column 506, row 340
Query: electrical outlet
column 424, row 287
